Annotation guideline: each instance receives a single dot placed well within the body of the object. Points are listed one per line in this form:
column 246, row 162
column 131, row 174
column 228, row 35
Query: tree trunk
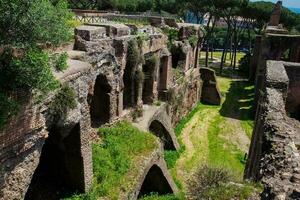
column 224, row 49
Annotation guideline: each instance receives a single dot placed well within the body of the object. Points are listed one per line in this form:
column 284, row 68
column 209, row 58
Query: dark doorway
column 129, row 96
column 160, row 131
column 148, row 83
column 100, row 104
column 60, row 170
column 155, row 182
column 178, row 57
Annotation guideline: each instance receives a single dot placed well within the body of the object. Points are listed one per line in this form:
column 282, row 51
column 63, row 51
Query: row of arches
column 100, row 100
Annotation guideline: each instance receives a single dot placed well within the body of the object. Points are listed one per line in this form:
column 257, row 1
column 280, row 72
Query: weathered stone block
column 90, row 33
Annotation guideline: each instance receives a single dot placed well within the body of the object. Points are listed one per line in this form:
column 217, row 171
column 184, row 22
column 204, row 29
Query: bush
column 205, row 178
column 60, row 61
column 31, row 22
column 63, row 102
column 216, row 183
column 245, row 64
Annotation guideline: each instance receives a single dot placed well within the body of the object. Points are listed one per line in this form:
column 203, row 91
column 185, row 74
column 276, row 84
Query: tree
column 27, row 22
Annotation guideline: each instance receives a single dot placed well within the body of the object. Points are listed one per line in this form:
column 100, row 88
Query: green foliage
column 171, row 157
column 128, row 5
column 141, row 37
column 155, row 196
column 31, row 22
column 245, row 64
column 112, row 159
column 193, row 40
column 8, row 108
column 63, row 101
column 60, row 61
column 134, row 56
column 29, row 73
column 173, row 35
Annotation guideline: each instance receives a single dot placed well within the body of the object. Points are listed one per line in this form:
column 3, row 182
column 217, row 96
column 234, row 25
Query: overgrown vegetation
column 116, row 158
column 34, row 22
column 62, row 103
column 60, row 61
column 20, row 76
column 26, row 27
column 216, row 183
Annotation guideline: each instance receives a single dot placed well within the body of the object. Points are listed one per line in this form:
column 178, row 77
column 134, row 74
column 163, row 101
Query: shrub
column 60, row 61
column 205, row 178
column 63, row 101
column 216, row 183
column 245, row 64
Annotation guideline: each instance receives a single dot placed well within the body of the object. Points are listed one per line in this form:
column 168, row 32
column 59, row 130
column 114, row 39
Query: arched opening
column 100, row 104
column 60, row 170
column 160, row 131
column 155, row 182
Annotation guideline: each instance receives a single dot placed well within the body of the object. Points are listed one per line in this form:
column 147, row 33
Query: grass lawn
column 217, row 55
column 217, row 136
column 116, row 161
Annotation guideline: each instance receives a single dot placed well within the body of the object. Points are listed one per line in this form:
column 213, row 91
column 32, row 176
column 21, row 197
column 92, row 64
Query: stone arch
column 100, row 102
column 155, row 182
column 60, row 169
column 160, row 131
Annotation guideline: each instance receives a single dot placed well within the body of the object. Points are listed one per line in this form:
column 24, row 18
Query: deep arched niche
column 100, row 102
column 160, row 131
column 155, row 182
column 60, row 170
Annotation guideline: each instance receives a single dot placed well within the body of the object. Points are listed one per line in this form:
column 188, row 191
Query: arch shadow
column 60, row 171
column 158, row 129
column 155, row 182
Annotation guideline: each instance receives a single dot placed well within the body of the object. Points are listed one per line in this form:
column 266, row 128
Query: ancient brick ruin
column 38, row 153
column 274, row 155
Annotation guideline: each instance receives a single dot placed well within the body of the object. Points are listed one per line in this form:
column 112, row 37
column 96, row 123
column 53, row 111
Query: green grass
column 116, row 160
column 160, row 197
column 211, row 136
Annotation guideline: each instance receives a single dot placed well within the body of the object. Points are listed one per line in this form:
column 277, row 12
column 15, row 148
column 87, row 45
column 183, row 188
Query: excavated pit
column 60, row 170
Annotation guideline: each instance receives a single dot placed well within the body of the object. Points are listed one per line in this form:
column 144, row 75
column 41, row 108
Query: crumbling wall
column 274, row 152
column 98, row 76
column 210, row 90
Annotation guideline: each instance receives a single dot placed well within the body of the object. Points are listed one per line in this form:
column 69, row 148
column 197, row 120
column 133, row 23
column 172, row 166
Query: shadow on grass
column 239, row 101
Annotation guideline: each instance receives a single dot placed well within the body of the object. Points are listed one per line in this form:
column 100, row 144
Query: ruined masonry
column 36, row 148
column 274, row 155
